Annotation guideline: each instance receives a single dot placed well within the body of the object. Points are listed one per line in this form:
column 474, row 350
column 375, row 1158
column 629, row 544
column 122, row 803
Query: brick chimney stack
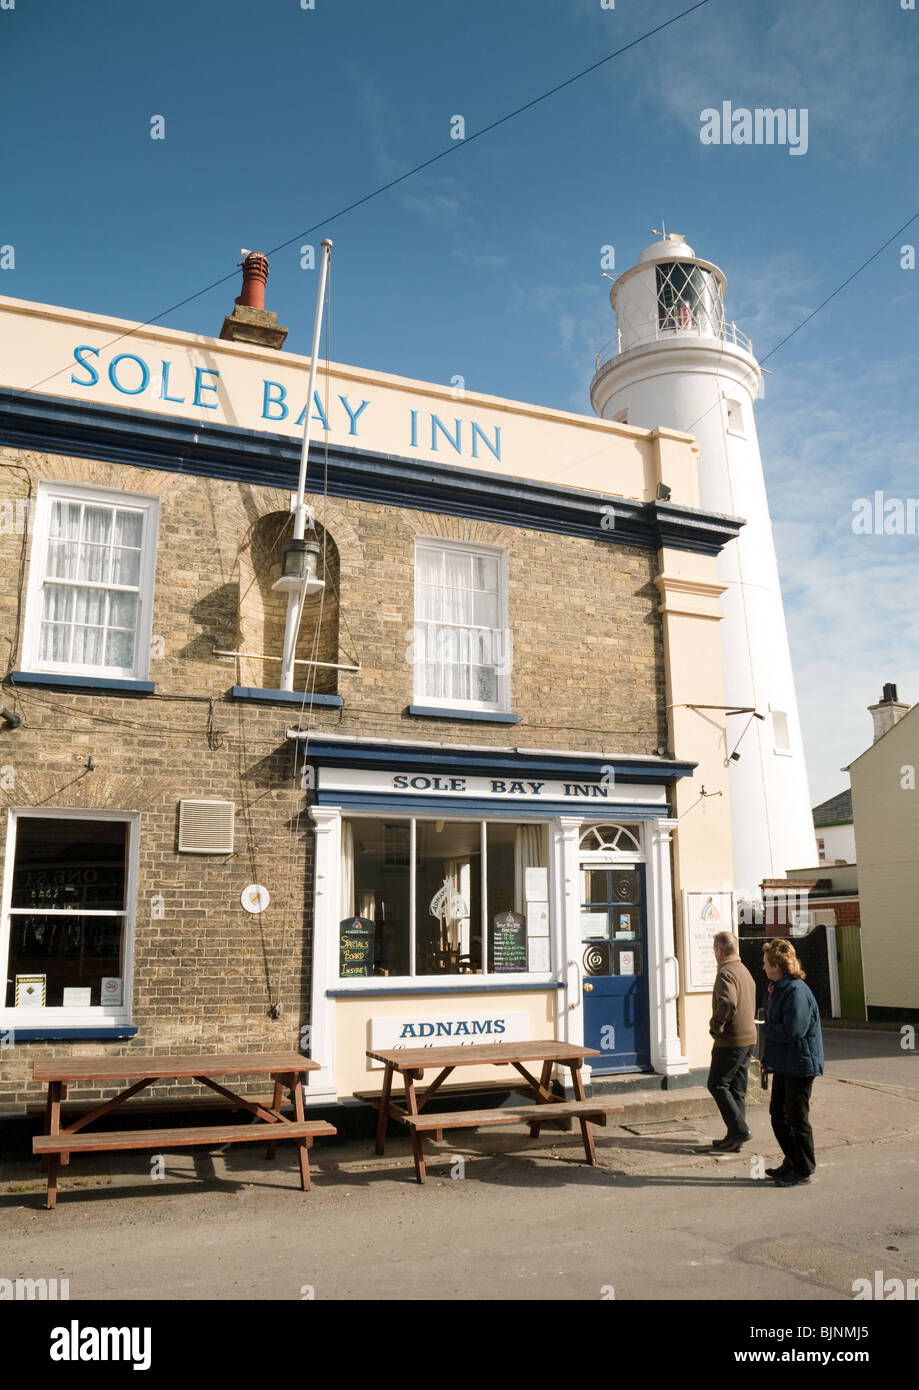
column 887, row 712
column 250, row 321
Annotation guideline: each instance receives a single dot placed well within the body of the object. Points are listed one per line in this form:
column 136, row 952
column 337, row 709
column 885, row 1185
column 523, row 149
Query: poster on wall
column 704, row 915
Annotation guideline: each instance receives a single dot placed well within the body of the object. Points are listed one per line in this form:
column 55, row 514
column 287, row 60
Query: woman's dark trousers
column 789, row 1109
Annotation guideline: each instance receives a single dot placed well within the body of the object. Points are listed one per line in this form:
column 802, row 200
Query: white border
column 149, row 507
column 98, row 1015
column 503, row 704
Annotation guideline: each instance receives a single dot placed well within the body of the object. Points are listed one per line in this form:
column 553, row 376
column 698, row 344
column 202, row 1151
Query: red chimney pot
column 255, row 275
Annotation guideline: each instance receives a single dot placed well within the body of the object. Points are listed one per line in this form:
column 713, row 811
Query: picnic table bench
column 411, row 1063
column 284, row 1068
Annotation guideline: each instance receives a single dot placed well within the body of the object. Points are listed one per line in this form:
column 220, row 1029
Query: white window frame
column 379, row 984
column 48, row 493
column 502, row 704
column 94, row 1015
column 738, row 427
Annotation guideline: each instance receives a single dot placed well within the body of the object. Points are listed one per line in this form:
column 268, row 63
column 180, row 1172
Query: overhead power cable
column 401, row 178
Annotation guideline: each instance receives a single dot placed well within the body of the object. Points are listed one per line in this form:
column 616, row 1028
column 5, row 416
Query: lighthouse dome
column 672, row 247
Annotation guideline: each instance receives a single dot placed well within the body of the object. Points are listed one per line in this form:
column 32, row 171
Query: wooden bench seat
column 595, row 1111
column 213, row 1135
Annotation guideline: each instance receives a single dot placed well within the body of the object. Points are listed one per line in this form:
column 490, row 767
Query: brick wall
column 588, row 674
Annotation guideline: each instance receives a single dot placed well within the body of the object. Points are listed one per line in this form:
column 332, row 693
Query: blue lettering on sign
column 268, row 400
column 202, row 385
column 144, row 374
column 320, row 415
column 353, row 415
column 179, row 400
column 78, row 357
column 454, row 440
column 453, row 1028
column 478, row 433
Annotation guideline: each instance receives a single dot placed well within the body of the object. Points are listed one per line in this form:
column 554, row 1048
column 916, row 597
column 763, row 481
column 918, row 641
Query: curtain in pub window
column 346, row 905
column 528, row 854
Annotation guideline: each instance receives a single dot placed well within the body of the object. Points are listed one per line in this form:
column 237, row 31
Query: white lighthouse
column 676, row 362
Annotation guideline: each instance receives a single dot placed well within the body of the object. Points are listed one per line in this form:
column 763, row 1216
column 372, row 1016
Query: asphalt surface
column 501, row 1216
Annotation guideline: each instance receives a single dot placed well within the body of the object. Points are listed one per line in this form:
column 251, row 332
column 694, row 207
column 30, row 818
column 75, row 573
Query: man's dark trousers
column 727, row 1081
column 789, row 1110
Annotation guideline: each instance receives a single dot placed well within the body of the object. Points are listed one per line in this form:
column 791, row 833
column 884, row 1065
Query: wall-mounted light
column 11, row 720
column 299, row 569
column 663, row 492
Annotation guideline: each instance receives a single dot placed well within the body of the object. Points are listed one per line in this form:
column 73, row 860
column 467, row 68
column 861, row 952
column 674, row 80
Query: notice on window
column 594, row 925
column 626, row 962
column 75, row 998
column 30, row 991
column 537, row 919
column 509, row 941
column 112, row 989
column 356, row 943
column 538, row 950
column 536, row 884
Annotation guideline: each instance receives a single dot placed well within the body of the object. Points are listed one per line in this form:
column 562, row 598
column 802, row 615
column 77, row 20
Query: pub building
column 495, row 803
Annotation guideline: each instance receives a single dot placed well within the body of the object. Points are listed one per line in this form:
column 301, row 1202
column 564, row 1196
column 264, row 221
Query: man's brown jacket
column 733, row 1005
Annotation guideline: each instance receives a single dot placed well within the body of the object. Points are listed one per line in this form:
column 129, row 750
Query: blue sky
column 488, row 264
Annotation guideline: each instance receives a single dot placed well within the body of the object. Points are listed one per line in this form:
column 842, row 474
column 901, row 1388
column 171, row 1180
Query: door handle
column 577, row 998
column 674, row 961
column 588, row 988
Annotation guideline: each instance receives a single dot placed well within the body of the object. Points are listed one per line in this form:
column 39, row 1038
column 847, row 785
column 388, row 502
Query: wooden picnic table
column 284, row 1068
column 411, row 1063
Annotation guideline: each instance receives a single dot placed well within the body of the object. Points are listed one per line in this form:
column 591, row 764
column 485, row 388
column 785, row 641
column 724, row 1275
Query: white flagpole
column 295, row 599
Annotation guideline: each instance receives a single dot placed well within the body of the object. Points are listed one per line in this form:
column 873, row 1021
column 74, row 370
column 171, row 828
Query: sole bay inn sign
column 200, row 387
column 473, row 788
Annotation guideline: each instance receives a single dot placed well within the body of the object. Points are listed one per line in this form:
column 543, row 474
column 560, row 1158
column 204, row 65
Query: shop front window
column 67, row 915
column 430, row 897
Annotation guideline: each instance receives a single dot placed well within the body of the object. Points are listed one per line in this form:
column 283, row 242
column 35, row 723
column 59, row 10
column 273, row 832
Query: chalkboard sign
column 356, row 939
column 509, row 941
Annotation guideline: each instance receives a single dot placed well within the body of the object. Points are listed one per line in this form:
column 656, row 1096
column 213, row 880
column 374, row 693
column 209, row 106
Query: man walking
column 734, row 1033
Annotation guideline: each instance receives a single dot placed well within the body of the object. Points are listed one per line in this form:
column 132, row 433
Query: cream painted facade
column 96, row 363
column 192, row 377
column 885, row 805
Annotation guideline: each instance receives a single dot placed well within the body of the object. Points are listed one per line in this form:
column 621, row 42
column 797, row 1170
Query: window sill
column 100, row 685
column 283, row 697
column 453, row 984
column 74, row 1032
column 483, row 716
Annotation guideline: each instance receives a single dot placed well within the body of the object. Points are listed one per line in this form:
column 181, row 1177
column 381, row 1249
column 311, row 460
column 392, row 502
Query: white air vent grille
column 206, row 827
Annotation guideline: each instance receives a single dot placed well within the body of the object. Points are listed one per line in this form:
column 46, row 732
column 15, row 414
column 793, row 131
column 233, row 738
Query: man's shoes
column 791, row 1179
column 732, row 1143
column 782, row 1171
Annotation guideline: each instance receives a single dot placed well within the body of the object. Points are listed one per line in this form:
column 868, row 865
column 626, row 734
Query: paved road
column 660, row 1218
column 864, row 1055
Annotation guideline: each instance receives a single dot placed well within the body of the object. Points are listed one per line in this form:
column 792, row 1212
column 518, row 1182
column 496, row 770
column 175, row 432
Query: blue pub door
column 613, row 962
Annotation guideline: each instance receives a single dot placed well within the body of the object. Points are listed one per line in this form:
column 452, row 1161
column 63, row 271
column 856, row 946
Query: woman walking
column 793, row 1053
